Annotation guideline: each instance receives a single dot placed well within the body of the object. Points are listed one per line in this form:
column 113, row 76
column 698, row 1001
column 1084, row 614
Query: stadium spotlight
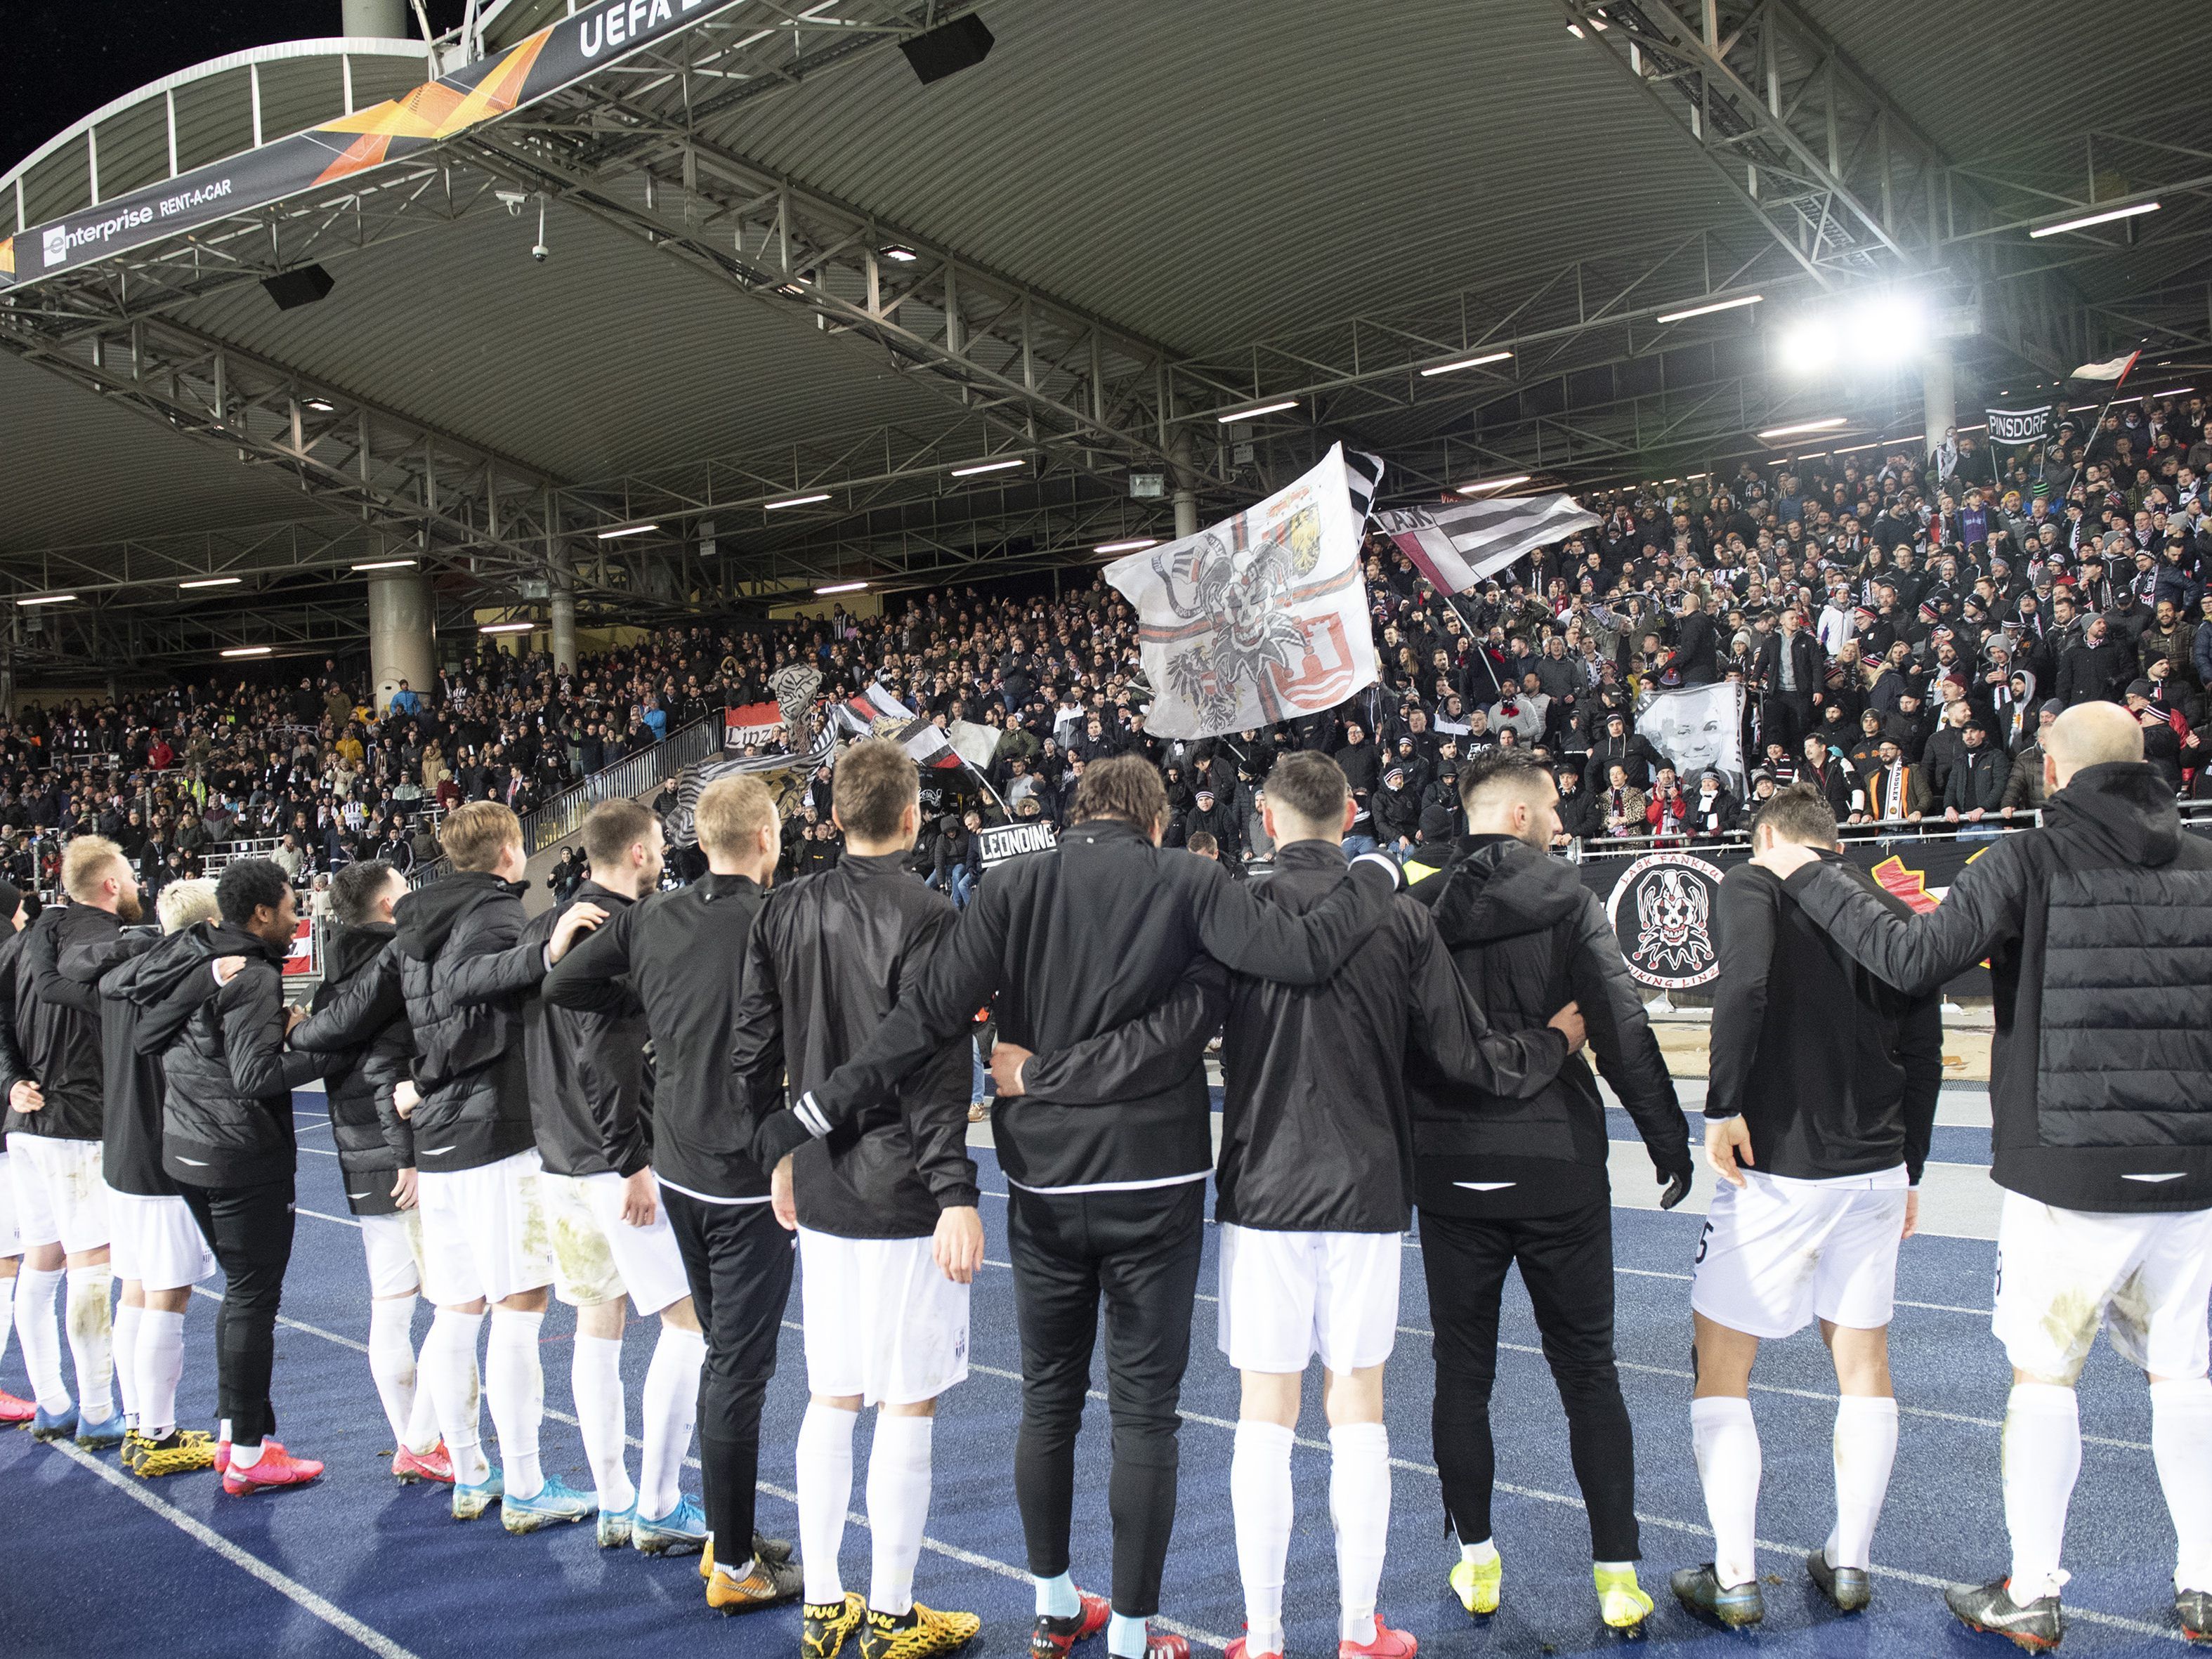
column 794, row 500
column 985, row 466
column 2103, row 216
column 1465, row 362
column 1254, row 413
column 507, row 628
column 385, row 564
column 1138, row 546
column 48, row 598
column 248, row 650
column 1875, row 332
column 1482, row 485
column 212, row 581
column 1798, row 428
column 626, row 530
column 841, row 587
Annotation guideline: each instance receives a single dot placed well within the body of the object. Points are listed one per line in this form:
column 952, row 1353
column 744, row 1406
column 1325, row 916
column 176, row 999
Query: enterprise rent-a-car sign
column 555, row 57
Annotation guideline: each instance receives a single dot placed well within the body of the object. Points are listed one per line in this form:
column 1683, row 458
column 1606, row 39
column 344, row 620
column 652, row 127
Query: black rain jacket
column 58, row 1024
column 358, row 1022
column 587, row 1071
column 131, row 1082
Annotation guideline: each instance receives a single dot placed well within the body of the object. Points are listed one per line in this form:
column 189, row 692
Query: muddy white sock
column 514, row 1388
column 35, row 1291
column 602, row 1417
column 898, row 1507
column 2042, row 1459
column 391, row 1360
column 1726, row 1442
column 91, row 1335
column 1865, row 1447
column 449, row 1367
column 671, row 1407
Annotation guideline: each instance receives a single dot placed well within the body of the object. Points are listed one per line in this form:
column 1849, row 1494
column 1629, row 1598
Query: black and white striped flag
column 1456, row 547
column 784, row 775
column 1363, row 475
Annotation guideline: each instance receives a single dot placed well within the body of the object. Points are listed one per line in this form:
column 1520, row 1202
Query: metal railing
column 1591, row 848
column 631, row 775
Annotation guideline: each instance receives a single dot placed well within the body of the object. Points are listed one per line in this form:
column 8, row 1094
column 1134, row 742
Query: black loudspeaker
column 303, row 286
column 962, row 44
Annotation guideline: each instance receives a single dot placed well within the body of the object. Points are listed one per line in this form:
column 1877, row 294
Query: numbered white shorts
column 883, row 1322
column 155, row 1241
column 393, row 1245
column 1777, row 1253
column 485, row 1232
column 61, row 1197
column 1286, row 1297
column 597, row 1256
column 2062, row 1273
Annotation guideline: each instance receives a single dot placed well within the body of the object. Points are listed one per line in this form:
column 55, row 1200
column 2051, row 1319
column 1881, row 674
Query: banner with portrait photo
column 1698, row 726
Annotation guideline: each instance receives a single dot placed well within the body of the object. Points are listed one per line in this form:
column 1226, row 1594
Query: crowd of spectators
column 1903, row 624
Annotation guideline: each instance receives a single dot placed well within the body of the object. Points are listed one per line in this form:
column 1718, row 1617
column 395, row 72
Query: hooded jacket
column 227, row 1080
column 829, row 957
column 358, row 1022
column 466, row 973
column 2097, row 926
column 58, row 1024
column 131, row 1082
column 1528, row 937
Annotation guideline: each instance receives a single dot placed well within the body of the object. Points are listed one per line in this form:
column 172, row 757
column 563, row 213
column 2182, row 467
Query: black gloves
column 779, row 1135
column 1676, row 1179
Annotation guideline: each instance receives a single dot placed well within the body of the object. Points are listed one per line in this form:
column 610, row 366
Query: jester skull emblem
column 1673, row 913
column 1245, row 594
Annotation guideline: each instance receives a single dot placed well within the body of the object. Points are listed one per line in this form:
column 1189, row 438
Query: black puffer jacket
column 467, row 977
column 2097, row 931
column 131, row 1127
column 831, row 955
column 358, row 1022
column 227, row 1082
column 1528, row 937
column 58, row 1024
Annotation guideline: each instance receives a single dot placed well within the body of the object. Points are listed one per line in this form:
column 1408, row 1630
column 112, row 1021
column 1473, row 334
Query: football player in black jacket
column 14, row 1411
column 2096, row 926
column 54, row 1157
column 358, row 1017
column 1504, row 1184
column 681, row 954
column 611, row 1236
column 1817, row 1122
column 885, row 1208
column 1108, row 1201
column 155, row 1246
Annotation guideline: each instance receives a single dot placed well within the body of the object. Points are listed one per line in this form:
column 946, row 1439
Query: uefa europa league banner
column 558, row 56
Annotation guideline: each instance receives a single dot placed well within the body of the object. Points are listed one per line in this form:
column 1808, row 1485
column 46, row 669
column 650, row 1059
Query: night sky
column 64, row 58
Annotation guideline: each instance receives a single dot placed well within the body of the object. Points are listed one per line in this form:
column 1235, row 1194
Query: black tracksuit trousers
column 250, row 1230
column 1566, row 1263
column 738, row 1259
column 1138, row 1252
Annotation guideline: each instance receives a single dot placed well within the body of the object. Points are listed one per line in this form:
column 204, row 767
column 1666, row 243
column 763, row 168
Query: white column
column 375, row 20
column 402, row 634
column 1186, row 497
column 563, row 639
column 1939, row 400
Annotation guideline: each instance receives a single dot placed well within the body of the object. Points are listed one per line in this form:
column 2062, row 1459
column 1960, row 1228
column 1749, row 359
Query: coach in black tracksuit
column 681, row 955
column 1505, row 1182
column 1108, row 1203
column 226, row 1136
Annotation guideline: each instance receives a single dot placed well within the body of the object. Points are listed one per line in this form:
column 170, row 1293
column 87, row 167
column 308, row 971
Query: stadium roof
column 777, row 265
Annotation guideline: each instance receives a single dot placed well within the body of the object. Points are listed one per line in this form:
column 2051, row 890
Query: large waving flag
column 1456, row 547
column 2114, row 370
column 785, row 776
column 1262, row 618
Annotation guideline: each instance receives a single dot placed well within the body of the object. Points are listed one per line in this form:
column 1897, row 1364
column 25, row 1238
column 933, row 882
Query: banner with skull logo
column 1260, row 618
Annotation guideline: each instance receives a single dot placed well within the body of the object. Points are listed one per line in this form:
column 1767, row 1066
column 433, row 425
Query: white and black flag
column 784, row 775
column 2018, row 426
column 1363, row 475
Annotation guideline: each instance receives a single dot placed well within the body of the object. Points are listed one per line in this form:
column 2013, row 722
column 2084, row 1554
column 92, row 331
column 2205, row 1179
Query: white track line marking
column 291, row 1588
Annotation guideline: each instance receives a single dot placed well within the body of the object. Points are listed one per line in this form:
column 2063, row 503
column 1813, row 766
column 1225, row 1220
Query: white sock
column 2042, row 1458
column 7, row 1307
column 1057, row 1597
column 1726, row 1442
column 391, row 1360
column 2181, row 1441
column 35, row 1290
column 671, row 1407
column 125, row 1352
column 1260, row 1502
column 898, row 1507
column 160, row 1363
column 1359, row 1505
column 91, row 1332
column 1126, row 1637
column 514, row 1384
column 1479, row 1554
column 825, row 1492
column 603, row 1417
column 1865, row 1446
column 449, row 1368
column 245, row 1457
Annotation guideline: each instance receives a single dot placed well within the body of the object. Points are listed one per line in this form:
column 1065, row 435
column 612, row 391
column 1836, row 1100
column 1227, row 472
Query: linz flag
column 1260, row 618
column 1456, row 547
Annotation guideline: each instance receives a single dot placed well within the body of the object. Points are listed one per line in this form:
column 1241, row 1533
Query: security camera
column 515, row 201
column 538, row 252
